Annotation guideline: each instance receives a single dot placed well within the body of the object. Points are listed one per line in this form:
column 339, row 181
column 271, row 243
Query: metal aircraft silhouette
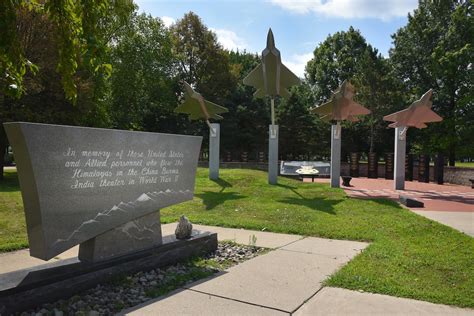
column 271, row 77
column 416, row 115
column 199, row 108
column 341, row 106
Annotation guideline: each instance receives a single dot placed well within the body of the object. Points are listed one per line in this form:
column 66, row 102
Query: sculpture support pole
column 214, row 139
column 273, row 110
column 400, row 151
column 273, row 154
column 335, row 155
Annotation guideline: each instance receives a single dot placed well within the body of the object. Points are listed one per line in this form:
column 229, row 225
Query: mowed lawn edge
column 409, row 256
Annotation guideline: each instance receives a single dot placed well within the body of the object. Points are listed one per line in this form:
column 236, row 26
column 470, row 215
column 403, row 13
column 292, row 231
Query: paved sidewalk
column 285, row 281
column 21, row 259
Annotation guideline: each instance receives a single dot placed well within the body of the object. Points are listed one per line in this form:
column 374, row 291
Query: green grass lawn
column 12, row 218
column 465, row 164
column 410, row 256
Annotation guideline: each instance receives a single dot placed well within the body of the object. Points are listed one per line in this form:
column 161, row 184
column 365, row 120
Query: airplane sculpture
column 271, row 77
column 199, row 108
column 341, row 106
column 416, row 115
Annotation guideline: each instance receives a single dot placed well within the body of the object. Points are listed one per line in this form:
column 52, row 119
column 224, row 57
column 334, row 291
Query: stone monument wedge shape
column 78, row 183
column 271, row 78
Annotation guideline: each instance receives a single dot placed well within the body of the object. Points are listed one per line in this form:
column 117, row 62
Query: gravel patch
column 129, row 291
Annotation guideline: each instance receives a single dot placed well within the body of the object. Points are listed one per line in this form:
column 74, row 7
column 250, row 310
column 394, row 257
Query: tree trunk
column 3, row 149
column 452, row 155
column 371, row 149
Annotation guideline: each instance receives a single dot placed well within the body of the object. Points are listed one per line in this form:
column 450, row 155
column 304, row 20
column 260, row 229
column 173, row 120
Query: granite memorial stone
column 354, row 165
column 93, row 186
column 389, row 166
column 424, row 168
column 373, row 166
column 439, row 169
column 409, row 167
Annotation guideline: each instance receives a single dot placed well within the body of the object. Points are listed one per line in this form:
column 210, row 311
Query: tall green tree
column 143, row 87
column 33, row 36
column 78, row 29
column 244, row 128
column 202, row 61
column 436, row 50
column 346, row 55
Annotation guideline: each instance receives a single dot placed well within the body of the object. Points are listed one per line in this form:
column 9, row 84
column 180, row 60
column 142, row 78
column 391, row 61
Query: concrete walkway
column 285, row 281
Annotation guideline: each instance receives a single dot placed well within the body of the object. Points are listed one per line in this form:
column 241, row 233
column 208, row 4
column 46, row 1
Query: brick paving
column 446, row 197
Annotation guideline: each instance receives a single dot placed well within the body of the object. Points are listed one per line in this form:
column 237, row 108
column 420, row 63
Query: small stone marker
column 184, row 229
column 410, row 202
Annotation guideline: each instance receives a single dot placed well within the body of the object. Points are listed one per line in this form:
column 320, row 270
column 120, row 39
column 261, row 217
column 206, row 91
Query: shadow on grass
column 212, row 199
column 9, row 183
column 316, row 204
column 222, row 183
column 385, row 201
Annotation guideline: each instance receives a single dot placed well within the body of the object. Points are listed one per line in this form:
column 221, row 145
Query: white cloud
column 167, row 20
column 229, row 39
column 297, row 62
column 379, row 9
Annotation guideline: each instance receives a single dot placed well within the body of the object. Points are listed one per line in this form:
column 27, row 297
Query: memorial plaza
column 238, row 158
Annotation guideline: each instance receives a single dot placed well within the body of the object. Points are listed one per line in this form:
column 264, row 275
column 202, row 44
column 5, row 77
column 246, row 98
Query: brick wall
column 453, row 175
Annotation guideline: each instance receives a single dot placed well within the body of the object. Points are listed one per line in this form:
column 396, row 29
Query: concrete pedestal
column 335, row 155
column 214, row 140
column 273, row 154
column 400, row 151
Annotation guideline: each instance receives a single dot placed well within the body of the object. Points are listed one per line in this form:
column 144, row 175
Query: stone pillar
column 400, row 151
column 273, row 154
column 335, row 155
column 214, row 139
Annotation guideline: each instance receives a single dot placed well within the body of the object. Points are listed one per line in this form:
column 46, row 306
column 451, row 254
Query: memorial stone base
column 65, row 278
column 136, row 235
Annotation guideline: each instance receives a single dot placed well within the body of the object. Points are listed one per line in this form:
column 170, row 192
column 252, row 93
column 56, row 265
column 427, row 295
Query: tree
column 143, row 88
column 78, row 26
column 347, row 56
column 203, row 63
column 303, row 136
column 36, row 39
column 435, row 50
column 201, row 60
column 245, row 126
